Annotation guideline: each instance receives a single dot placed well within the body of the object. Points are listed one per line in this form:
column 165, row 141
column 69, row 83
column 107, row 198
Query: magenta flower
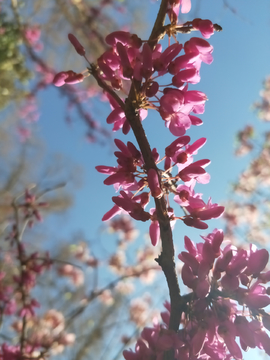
column 118, row 118
column 195, row 171
column 154, row 232
column 201, row 48
column 257, row 262
column 178, row 123
column 124, row 38
column 153, row 183
column 257, row 298
column 244, row 331
column 115, row 210
column 67, row 77
column 199, row 211
column 171, row 102
column 228, row 332
column 185, row 6
column 135, row 209
column 123, row 176
column 162, row 61
column 176, row 145
column 199, row 338
column 230, row 282
column 147, row 66
column 191, row 76
column 175, row 107
column 188, row 60
column 77, row 45
column 204, row 26
column 127, row 69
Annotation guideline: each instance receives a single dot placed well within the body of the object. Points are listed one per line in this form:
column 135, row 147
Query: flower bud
column 153, row 183
column 77, row 45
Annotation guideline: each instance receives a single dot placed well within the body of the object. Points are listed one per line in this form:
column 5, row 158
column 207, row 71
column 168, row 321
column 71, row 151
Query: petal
column 154, row 232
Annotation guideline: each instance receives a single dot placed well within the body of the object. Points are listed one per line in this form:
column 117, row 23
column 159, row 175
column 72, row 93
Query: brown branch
column 158, row 29
column 166, row 258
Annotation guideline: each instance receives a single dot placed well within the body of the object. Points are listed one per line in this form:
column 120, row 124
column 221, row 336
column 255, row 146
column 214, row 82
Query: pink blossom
column 199, row 339
column 257, row 262
column 154, row 232
column 153, row 183
column 162, row 61
column 67, row 77
column 227, row 332
column 244, row 331
column 77, row 45
column 188, row 60
column 185, row 6
column 32, row 34
column 124, row 38
column 188, row 75
column 134, row 209
column 201, row 48
column 200, row 211
column 256, row 298
column 205, row 26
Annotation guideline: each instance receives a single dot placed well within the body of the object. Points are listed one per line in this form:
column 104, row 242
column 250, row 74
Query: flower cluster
column 131, row 59
column 128, row 60
column 130, row 175
column 227, row 288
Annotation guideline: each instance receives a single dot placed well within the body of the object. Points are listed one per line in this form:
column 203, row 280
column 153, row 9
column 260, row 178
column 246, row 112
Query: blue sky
column 232, row 83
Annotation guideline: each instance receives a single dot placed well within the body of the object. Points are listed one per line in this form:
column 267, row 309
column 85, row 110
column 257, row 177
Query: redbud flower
column 244, row 331
column 67, row 77
column 227, row 331
column 153, row 183
column 177, row 144
column 130, row 205
column 115, row 210
column 124, row 38
column 127, row 68
column 154, row 232
column 200, row 211
column 184, row 61
column 258, row 260
column 202, row 47
column 185, row 6
column 162, row 61
column 77, row 45
column 188, row 75
column 204, row 26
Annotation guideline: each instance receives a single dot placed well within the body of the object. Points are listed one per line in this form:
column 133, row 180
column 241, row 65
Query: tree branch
column 166, row 258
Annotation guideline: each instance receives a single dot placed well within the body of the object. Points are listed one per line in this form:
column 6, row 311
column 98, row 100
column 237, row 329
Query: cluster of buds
column 128, row 60
column 131, row 59
column 130, row 175
column 227, row 288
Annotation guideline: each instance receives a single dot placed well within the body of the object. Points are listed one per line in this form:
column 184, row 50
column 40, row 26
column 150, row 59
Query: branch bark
column 166, row 258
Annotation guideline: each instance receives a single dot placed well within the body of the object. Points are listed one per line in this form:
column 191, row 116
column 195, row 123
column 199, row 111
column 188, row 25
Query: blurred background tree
column 33, row 34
